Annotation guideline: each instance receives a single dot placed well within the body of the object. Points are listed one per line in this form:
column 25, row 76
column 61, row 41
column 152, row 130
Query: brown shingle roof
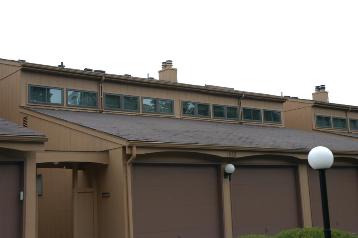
column 179, row 131
column 11, row 131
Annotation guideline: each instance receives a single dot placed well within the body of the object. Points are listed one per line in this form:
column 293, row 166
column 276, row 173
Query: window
column 166, row 106
column 203, row 110
column 232, row 113
column 339, row 123
column 218, row 111
column 81, row 98
column 323, row 122
column 353, row 124
column 130, row 103
column 121, row 102
column 112, row 101
column 149, row 105
column 45, row 95
column 155, row 105
column 189, row 108
column 226, row 112
column 196, row 109
column 251, row 114
column 272, row 116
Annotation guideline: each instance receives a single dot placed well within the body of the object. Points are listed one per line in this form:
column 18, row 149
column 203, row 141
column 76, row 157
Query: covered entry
column 180, row 201
column 265, row 200
column 342, row 188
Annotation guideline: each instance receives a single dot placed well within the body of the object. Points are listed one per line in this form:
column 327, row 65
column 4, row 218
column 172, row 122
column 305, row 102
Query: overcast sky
column 266, row 46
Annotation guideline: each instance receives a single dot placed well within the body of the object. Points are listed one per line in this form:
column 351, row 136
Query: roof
column 328, row 105
column 193, row 132
column 10, row 131
column 150, row 82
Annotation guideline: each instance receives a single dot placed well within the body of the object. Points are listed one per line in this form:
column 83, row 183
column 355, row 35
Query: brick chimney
column 168, row 73
column 320, row 94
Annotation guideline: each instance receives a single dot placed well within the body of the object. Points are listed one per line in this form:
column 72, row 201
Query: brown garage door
column 342, row 188
column 264, row 200
column 176, row 202
column 10, row 204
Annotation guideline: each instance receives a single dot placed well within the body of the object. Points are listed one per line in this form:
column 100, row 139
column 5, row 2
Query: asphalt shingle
column 180, row 131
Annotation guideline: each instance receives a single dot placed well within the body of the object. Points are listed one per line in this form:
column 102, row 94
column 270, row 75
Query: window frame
column 339, row 128
column 129, row 110
column 80, row 90
column 157, row 108
column 319, row 127
column 225, row 112
column 196, row 114
column 45, row 103
column 251, row 120
column 271, row 122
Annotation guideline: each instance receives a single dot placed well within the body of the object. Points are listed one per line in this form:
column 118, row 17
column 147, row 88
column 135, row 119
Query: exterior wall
column 178, row 95
column 9, row 92
column 62, row 138
column 55, row 204
column 112, row 197
column 298, row 115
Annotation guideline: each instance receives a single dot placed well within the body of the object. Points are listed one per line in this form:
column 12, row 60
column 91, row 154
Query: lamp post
column 321, row 158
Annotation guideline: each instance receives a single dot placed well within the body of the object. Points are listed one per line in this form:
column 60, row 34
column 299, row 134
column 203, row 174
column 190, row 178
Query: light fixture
column 229, row 170
column 321, row 158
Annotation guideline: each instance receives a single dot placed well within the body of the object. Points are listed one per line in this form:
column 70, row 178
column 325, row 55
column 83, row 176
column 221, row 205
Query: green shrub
column 304, row 233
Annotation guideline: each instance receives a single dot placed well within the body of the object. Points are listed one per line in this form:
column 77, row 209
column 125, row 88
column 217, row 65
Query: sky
column 263, row 46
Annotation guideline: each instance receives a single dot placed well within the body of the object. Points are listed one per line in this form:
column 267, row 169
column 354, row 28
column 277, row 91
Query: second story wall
column 298, row 115
column 9, row 91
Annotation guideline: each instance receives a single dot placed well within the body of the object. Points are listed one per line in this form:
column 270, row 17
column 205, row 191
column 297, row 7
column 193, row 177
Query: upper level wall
column 9, row 92
column 298, row 115
column 178, row 95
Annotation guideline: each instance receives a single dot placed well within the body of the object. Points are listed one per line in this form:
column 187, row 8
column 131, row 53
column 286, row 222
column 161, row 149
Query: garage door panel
column 10, row 204
column 342, row 189
column 175, row 201
column 264, row 200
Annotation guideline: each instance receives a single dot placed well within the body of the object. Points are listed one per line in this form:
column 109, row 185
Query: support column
column 226, row 199
column 30, row 198
column 74, row 199
column 305, row 195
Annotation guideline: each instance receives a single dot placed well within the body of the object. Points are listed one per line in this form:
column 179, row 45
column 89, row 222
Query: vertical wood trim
column 129, row 200
column 30, row 198
column 226, row 200
column 74, row 200
column 95, row 203
column 305, row 195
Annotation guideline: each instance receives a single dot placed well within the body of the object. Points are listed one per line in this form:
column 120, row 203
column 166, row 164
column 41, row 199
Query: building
column 139, row 157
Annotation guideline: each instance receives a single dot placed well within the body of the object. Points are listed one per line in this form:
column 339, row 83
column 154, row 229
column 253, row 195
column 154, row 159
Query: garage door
column 10, row 205
column 264, row 200
column 176, row 201
column 342, row 188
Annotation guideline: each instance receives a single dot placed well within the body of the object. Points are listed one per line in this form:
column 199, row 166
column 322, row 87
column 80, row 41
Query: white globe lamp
column 320, row 157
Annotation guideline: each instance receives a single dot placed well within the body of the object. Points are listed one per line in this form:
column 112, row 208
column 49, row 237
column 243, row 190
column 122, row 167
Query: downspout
column 240, row 104
column 348, row 121
column 100, row 91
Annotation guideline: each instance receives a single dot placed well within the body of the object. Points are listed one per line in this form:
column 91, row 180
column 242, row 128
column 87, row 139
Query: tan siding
column 298, row 115
column 55, row 205
column 56, row 81
column 329, row 112
column 9, row 93
column 62, row 138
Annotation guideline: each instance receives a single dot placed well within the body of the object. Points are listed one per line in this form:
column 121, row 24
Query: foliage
column 304, row 233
